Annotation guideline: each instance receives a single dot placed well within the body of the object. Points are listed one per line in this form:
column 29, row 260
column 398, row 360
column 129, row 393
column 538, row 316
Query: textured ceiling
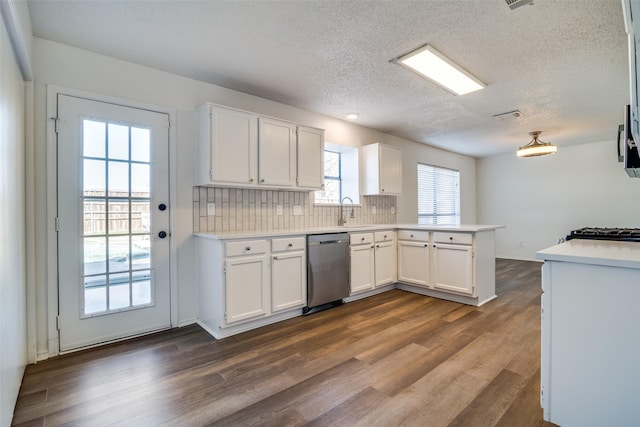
column 562, row 63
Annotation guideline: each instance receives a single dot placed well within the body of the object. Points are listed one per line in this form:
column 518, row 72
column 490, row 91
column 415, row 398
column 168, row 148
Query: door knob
column 162, row 234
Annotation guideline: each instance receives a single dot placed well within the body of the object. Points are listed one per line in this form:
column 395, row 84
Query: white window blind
column 438, row 195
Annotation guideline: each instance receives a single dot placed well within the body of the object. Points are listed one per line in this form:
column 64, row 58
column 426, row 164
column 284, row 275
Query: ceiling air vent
column 514, row 4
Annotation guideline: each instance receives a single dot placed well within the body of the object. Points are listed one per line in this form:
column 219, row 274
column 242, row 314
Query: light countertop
column 596, row 252
column 227, row 235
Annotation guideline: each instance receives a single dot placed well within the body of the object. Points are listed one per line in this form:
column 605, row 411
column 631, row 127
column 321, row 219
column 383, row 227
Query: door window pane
column 94, row 178
column 140, row 144
column 93, row 137
column 141, row 292
column 140, row 178
column 118, row 142
column 118, row 179
column 140, row 216
column 94, row 216
column 95, row 255
column 118, row 291
column 95, row 294
column 118, row 216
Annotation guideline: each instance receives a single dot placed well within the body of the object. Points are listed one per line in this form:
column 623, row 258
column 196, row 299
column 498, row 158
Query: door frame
column 53, row 336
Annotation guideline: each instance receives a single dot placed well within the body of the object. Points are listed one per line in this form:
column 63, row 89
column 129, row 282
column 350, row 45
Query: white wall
column 542, row 199
column 77, row 69
column 13, row 320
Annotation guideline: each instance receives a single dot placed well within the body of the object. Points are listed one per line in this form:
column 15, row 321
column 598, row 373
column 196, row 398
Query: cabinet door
column 276, row 152
column 385, row 263
column 288, row 281
column 390, row 170
column 233, row 147
column 362, row 269
column 246, row 295
column 453, row 268
column 310, row 157
column 413, row 263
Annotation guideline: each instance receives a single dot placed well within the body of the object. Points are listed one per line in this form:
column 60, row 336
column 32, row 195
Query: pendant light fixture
column 536, row 147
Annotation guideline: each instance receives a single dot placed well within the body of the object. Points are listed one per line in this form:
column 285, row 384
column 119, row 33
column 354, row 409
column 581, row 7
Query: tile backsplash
column 255, row 209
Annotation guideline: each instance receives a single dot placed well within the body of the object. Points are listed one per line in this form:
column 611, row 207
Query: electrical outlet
column 297, row 210
column 279, row 210
column 374, row 210
column 211, row 209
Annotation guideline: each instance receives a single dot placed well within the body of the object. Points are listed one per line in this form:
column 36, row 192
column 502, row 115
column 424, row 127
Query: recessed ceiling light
column 352, row 116
column 433, row 65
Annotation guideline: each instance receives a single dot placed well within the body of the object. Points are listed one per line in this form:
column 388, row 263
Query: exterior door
column 113, row 221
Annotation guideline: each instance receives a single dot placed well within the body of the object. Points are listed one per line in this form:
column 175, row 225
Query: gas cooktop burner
column 595, row 233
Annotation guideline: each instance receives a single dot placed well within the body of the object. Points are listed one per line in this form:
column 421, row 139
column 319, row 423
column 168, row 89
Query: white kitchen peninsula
column 590, row 333
column 454, row 262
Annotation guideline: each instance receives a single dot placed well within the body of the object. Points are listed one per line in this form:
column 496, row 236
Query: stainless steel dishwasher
column 327, row 270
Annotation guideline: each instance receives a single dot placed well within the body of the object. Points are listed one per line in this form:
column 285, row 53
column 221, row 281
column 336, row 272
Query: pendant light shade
column 536, row 147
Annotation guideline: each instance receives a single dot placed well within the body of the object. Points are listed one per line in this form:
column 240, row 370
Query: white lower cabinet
column 362, row 262
column 288, row 274
column 386, row 265
column 453, row 268
column 246, row 288
column 245, row 284
column 444, row 264
column 413, row 257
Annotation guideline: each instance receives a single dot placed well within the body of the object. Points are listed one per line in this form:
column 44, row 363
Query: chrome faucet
column 341, row 219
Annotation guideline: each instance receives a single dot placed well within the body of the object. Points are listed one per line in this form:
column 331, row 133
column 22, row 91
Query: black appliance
column 627, row 147
column 597, row 233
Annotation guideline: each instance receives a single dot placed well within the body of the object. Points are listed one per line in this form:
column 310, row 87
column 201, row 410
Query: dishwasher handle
column 326, row 242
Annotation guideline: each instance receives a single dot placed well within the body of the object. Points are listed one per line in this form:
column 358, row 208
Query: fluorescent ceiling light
column 433, row 65
column 352, row 116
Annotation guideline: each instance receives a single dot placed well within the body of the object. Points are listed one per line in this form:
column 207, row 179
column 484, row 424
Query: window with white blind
column 438, row 195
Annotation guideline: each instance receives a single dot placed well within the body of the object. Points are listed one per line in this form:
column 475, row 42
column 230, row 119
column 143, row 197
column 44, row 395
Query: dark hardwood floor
column 393, row 359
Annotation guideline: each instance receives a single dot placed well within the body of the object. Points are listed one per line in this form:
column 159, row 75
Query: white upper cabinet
column 310, row 158
column 228, row 146
column 242, row 149
column 276, row 152
column 381, row 170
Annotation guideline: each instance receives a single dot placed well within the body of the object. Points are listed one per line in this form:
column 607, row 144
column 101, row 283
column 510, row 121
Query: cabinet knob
column 275, row 257
column 362, row 239
column 290, row 245
column 251, row 180
column 412, row 236
column 377, row 246
column 383, row 190
column 262, row 180
column 450, row 238
column 248, row 248
column 426, row 245
column 385, row 236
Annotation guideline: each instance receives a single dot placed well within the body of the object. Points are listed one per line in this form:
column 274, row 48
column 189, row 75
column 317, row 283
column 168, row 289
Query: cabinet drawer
column 246, row 247
column 287, row 244
column 384, row 236
column 458, row 238
column 421, row 236
column 360, row 238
